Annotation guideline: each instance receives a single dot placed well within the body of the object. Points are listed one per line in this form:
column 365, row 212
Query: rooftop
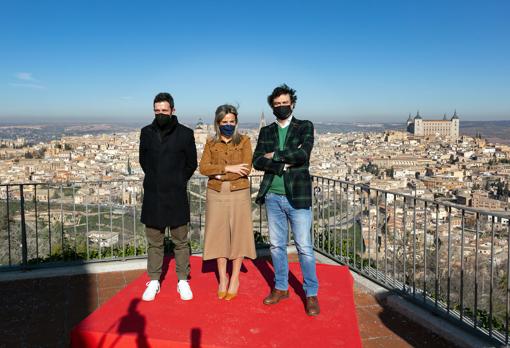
column 44, row 305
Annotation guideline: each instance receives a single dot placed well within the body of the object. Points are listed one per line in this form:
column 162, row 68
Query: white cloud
column 27, row 85
column 25, row 76
column 27, row 80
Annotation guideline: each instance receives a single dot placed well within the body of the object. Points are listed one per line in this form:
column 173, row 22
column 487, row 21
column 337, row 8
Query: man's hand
column 240, row 169
column 269, row 155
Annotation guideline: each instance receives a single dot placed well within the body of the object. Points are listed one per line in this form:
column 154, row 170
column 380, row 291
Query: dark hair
column 282, row 89
column 164, row 97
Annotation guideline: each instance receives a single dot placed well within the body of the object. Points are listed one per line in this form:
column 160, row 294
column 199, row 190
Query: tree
column 370, row 168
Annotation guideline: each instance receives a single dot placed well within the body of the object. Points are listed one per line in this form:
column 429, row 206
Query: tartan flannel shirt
column 297, row 150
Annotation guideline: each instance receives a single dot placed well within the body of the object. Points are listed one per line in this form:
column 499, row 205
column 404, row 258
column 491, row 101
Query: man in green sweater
column 283, row 153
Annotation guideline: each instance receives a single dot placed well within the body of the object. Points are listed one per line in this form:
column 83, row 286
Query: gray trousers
column 155, row 251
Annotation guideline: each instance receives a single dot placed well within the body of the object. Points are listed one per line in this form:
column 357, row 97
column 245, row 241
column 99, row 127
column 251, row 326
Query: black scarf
column 168, row 128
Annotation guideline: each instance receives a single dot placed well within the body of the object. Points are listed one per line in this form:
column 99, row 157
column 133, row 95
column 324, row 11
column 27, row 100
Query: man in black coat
column 168, row 158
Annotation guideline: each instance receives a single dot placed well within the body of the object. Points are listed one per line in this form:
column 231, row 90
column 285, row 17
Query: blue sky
column 348, row 60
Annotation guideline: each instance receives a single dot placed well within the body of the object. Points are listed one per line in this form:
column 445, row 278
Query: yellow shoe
column 230, row 296
column 222, row 294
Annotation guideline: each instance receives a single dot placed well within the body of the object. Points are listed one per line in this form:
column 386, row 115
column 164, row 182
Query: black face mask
column 163, row 120
column 282, row 112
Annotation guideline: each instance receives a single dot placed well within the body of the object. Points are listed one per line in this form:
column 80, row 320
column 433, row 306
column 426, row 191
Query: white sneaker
column 152, row 289
column 184, row 289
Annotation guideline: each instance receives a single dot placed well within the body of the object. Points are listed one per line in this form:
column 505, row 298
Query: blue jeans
column 279, row 211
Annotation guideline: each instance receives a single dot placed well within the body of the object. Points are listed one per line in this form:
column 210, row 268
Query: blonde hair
column 221, row 112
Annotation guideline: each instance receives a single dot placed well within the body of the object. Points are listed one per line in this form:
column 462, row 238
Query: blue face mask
column 227, row 129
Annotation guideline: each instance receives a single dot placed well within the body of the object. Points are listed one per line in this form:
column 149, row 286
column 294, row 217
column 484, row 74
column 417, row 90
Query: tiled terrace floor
column 41, row 312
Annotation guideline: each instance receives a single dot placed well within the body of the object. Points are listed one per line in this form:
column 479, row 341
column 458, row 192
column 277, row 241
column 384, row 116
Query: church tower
column 418, row 125
column 262, row 121
column 455, row 125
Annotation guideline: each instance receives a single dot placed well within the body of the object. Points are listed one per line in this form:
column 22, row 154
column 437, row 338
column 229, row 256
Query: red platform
column 205, row 321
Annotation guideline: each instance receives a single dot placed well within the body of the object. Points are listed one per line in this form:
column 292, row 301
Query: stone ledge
column 100, row 267
column 86, row 268
column 441, row 327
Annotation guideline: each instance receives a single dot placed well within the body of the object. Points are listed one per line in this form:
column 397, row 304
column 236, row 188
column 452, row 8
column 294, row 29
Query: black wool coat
column 168, row 159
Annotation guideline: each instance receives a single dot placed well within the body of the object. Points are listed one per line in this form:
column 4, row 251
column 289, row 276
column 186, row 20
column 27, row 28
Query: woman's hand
column 241, row 169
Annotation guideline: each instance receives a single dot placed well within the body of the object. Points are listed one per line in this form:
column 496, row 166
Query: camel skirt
column 228, row 224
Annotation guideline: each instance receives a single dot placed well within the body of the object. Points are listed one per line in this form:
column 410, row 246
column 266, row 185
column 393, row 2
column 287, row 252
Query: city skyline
column 349, row 62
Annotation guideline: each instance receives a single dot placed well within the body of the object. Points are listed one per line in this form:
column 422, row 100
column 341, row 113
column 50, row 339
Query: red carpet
column 205, row 321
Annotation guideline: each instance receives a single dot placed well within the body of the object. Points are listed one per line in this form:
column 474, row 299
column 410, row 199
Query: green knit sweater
column 277, row 186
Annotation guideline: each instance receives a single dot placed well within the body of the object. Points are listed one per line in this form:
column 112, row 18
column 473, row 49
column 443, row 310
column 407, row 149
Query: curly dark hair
column 164, row 97
column 282, row 89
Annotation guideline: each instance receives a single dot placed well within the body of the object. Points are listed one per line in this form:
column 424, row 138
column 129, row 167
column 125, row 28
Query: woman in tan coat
column 226, row 160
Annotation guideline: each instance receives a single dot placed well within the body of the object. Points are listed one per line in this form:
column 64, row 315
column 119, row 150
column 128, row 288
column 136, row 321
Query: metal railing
column 46, row 223
column 451, row 259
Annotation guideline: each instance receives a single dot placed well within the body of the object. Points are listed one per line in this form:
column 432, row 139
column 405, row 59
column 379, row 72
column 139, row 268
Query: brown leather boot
column 312, row 305
column 275, row 296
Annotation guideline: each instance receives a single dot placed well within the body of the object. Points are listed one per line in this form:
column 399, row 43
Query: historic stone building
column 442, row 128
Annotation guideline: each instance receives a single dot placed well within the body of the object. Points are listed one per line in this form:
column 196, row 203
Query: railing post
column 507, row 282
column 24, row 249
column 36, row 224
column 312, row 229
column 366, row 199
column 62, row 220
column 8, row 218
column 49, row 221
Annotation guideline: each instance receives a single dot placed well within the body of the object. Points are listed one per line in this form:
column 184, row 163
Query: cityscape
column 420, row 203
column 408, row 181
